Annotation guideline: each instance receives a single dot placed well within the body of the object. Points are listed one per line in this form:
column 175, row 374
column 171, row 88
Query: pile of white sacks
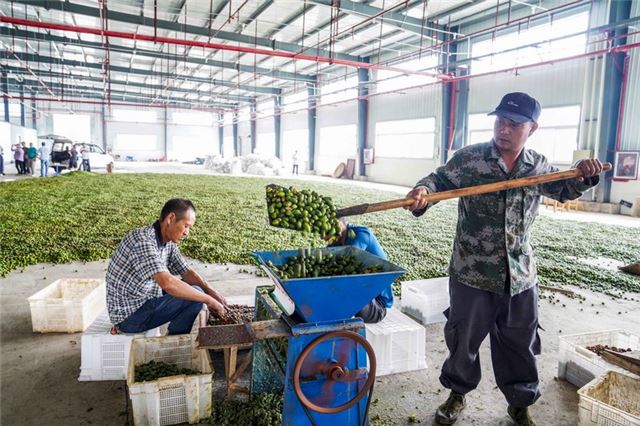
column 252, row 164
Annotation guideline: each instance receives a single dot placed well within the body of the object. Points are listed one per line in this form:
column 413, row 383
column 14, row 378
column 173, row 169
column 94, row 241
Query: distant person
column 73, row 159
column 364, row 239
column 84, row 152
column 148, row 281
column 18, row 158
column 294, row 171
column 30, row 158
column 1, row 161
column 43, row 154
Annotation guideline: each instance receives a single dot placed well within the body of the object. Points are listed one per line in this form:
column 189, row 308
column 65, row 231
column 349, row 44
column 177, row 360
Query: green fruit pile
column 153, row 370
column 305, row 211
column 316, row 263
column 261, row 410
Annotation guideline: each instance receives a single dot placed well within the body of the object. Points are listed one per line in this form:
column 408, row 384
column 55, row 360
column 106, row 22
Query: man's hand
column 217, row 308
column 589, row 167
column 218, row 297
column 417, row 194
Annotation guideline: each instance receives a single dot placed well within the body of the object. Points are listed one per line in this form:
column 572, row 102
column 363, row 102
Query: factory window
column 128, row 143
column 336, row 145
column 295, row 102
column 76, row 127
column 227, row 119
column 389, row 81
column 192, row 118
column 480, row 128
column 556, row 137
column 340, row 90
column 265, row 109
column 295, row 140
column 266, row 144
column 531, row 44
column 187, row 148
column 135, row 116
column 406, row 138
column 244, row 114
column 14, row 110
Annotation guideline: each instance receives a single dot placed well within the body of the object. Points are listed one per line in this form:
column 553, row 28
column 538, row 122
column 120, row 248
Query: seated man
column 364, row 239
column 142, row 290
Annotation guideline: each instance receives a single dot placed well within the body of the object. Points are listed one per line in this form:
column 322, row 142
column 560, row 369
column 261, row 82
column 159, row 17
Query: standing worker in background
column 43, row 154
column 294, row 159
column 73, row 158
column 30, row 159
column 18, row 158
column 84, row 151
column 493, row 280
column 143, row 291
column 364, row 239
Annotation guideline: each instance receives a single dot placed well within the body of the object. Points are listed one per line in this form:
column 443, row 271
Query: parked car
column 98, row 159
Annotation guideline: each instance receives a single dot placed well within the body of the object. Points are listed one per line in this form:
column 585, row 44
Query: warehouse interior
column 355, row 100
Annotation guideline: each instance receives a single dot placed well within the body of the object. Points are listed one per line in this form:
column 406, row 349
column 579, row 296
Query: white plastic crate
column 425, row 300
column 104, row 356
column 398, row 342
column 612, row 399
column 67, row 305
column 175, row 399
column 578, row 365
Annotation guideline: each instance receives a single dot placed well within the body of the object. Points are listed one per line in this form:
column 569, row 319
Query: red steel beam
column 209, row 45
column 132, row 104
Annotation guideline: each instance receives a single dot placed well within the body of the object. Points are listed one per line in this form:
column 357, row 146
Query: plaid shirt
column 139, row 256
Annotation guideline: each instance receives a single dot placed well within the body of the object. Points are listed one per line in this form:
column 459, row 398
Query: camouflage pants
column 511, row 322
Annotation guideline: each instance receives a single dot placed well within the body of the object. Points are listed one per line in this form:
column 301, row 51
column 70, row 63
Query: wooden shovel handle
column 465, row 192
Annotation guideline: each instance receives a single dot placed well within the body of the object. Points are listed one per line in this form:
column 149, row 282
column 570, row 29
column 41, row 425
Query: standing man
column 364, row 239
column 18, row 157
column 1, row 161
column 30, row 158
column 294, row 170
column 73, row 160
column 493, row 281
column 84, row 151
column 43, row 154
column 143, row 290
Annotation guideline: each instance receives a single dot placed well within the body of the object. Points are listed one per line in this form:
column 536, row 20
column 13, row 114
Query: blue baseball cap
column 519, row 107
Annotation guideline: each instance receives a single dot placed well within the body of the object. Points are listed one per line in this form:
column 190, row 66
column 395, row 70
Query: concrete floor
column 39, row 371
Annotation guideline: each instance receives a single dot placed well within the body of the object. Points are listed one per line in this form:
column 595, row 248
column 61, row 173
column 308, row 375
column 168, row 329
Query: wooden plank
column 243, row 366
column 225, row 336
column 631, row 364
column 270, row 329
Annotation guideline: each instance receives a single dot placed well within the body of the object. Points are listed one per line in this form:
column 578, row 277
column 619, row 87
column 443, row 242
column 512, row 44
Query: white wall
column 627, row 191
